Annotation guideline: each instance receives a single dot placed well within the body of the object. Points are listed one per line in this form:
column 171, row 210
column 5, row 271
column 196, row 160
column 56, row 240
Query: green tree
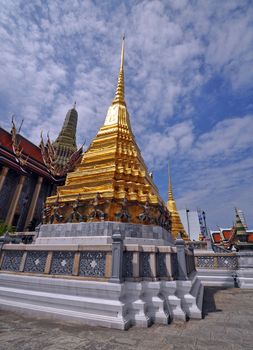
column 4, row 228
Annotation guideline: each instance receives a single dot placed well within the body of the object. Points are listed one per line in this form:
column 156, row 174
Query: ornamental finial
column 122, row 53
column 119, row 96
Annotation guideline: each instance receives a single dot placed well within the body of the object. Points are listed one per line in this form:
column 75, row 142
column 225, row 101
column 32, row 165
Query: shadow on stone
column 209, row 300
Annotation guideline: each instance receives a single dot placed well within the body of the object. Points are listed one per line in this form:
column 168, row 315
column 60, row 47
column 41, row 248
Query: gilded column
column 4, row 172
column 34, row 201
column 14, row 202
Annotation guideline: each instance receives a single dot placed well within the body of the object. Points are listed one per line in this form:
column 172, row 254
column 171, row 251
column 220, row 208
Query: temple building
column 237, row 236
column 29, row 173
column 176, row 224
column 61, row 156
column 112, row 182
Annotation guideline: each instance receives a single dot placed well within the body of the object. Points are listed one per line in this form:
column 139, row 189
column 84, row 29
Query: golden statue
column 112, row 178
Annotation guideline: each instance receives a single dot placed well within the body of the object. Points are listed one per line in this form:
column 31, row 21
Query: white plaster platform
column 102, row 303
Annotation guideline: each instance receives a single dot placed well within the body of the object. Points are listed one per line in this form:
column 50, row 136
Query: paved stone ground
column 227, row 324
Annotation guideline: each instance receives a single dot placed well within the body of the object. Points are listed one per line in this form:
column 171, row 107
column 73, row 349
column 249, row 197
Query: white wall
column 193, row 223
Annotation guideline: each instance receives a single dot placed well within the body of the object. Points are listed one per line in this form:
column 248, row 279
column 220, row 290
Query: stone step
column 64, row 314
column 68, row 301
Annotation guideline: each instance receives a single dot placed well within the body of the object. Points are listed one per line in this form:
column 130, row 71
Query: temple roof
column 31, row 155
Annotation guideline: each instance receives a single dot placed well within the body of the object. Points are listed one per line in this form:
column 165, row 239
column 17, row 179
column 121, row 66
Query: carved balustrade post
column 181, row 259
column 117, row 257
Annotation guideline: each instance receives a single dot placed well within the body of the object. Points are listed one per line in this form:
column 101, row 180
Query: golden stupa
column 176, row 224
column 112, row 182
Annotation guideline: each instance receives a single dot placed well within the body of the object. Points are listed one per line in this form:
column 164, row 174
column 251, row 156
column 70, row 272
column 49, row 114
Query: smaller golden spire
column 170, row 194
column 119, row 95
column 176, row 223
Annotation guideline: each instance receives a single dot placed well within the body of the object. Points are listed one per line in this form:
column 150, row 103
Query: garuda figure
column 123, row 214
column 145, row 216
column 55, row 212
column 75, row 215
column 96, row 213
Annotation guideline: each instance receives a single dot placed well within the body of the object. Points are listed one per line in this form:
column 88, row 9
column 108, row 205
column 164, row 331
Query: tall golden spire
column 176, row 224
column 117, row 112
column 120, row 90
column 112, row 181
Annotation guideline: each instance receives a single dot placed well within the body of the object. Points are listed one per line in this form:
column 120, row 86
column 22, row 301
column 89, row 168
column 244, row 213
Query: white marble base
column 102, row 303
column 216, row 277
column 245, row 278
column 191, row 293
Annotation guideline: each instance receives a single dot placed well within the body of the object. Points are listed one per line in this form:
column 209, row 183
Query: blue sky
column 188, row 77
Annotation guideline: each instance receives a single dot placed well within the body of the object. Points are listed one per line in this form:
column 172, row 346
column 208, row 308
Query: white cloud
column 218, row 189
column 159, row 147
column 227, row 138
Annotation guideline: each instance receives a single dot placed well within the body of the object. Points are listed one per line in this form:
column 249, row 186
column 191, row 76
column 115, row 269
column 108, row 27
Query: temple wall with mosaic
column 30, row 173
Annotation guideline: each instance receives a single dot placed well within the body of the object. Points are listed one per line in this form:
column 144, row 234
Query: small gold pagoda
column 112, row 182
column 176, row 224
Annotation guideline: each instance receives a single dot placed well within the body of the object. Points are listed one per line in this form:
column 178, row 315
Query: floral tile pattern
column 92, row 264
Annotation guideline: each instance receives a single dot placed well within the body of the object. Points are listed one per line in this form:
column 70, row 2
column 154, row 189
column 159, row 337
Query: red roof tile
column 29, row 148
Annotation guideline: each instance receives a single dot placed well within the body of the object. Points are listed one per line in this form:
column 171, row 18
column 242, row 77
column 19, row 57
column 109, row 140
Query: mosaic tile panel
column 161, row 265
column 145, row 265
column 205, row 262
column 62, row 263
column 35, row 261
column 128, row 264
column 11, row 260
column 92, row 264
column 228, row 262
column 174, row 266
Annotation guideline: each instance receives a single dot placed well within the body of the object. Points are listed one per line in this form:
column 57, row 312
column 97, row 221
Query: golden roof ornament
column 20, row 158
column 113, row 167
